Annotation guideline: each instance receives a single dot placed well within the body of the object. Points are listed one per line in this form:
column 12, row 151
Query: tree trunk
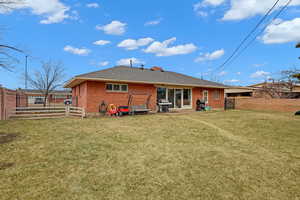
column 45, row 101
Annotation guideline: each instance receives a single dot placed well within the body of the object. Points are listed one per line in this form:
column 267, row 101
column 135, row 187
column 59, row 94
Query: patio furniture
column 142, row 108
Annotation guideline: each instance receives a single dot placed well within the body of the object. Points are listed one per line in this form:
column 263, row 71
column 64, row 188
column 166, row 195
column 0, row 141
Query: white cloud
column 232, row 81
column 114, row 28
column 154, row 22
column 210, row 56
column 101, row 42
column 198, row 7
column 77, row 51
column 260, row 74
column 104, row 63
column 126, row 61
column 92, row 5
column 131, row 44
column 238, row 73
column 208, row 3
column 259, row 65
column 54, row 11
column 222, row 73
column 163, row 48
column 242, row 9
column 282, row 32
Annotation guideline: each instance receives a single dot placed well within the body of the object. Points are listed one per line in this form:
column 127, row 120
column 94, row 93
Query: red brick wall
column 22, row 99
column 7, row 102
column 92, row 93
column 53, row 99
column 96, row 93
column 79, row 94
column 284, row 105
column 214, row 103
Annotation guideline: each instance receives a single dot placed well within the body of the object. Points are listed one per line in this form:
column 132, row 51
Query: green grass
column 213, row 155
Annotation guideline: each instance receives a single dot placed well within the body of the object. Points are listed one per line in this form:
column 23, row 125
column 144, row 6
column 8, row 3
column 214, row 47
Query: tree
column 6, row 59
column 297, row 76
column 283, row 86
column 48, row 78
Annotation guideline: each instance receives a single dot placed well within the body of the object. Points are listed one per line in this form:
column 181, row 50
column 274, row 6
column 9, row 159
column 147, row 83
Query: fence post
column 67, row 109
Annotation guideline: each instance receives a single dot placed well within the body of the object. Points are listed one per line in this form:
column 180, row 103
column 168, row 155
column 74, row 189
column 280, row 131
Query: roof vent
column 156, row 68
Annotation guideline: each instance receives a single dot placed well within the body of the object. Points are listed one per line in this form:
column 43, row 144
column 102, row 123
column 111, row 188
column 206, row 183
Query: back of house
column 121, row 84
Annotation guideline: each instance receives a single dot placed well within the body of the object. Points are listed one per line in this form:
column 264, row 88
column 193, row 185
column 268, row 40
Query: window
column 161, row 94
column 187, row 97
column 116, row 87
column 124, row 88
column 205, row 96
column 109, row 87
column 216, row 95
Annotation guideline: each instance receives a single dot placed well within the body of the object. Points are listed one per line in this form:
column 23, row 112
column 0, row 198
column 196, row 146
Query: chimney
column 156, row 68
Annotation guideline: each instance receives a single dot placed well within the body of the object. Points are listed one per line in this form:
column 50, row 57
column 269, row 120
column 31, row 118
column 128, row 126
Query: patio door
column 178, row 98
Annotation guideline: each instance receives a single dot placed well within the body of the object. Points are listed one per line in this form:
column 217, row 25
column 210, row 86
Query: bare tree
column 48, row 78
column 297, row 76
column 283, row 86
column 6, row 59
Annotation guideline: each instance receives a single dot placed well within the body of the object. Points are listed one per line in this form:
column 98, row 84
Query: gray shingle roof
column 125, row 73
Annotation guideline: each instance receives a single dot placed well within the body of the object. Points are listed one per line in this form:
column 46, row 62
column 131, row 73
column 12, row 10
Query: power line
column 260, row 32
column 249, row 34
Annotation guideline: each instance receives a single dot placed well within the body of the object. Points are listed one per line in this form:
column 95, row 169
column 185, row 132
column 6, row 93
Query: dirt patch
column 5, row 165
column 7, row 137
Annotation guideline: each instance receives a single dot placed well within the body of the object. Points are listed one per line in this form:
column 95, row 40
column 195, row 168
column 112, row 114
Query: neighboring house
column 115, row 86
column 239, row 91
column 261, row 90
column 37, row 96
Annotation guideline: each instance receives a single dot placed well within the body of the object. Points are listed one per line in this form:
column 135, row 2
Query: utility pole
column 26, row 71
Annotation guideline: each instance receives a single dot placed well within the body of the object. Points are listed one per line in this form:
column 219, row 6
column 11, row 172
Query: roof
column 34, row 91
column 239, row 89
column 142, row 75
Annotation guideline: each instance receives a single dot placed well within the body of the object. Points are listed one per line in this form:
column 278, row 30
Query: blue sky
column 191, row 37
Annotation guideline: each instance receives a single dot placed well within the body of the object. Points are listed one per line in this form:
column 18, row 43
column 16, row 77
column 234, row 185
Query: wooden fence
column 45, row 112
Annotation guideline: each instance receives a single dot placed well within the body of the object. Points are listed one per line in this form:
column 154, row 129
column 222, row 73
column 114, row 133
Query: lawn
column 213, row 155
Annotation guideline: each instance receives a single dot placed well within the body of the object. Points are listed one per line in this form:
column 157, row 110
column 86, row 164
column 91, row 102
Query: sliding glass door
column 180, row 98
column 171, row 97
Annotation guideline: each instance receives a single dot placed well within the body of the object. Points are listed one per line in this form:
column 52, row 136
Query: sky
column 191, row 37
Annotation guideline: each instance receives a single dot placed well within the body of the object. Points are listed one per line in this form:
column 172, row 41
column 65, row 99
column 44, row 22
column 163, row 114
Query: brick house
column 115, row 85
column 55, row 97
